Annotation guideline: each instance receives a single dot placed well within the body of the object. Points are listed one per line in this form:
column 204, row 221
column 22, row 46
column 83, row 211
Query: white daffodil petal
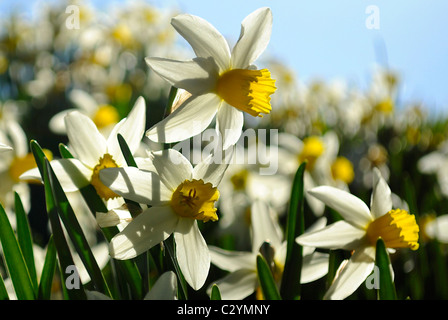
column 229, row 123
column 237, row 285
column 145, row 164
column 255, row 34
column 57, row 122
column 263, row 226
column 352, row 275
column 213, row 168
column 338, row 235
column 205, row 40
column 232, row 260
column 314, row 267
column 4, row 147
column 197, row 76
column 113, row 217
column 72, row 174
column 132, row 128
column 350, row 207
column 151, row 227
column 190, row 119
column 88, row 144
column 172, row 167
column 18, row 137
column 135, row 184
column 192, row 252
column 165, row 288
column 381, row 199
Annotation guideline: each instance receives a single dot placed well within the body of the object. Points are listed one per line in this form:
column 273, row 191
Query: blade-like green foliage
column 290, row 286
column 25, row 238
column 215, row 294
column 15, row 261
column 266, row 279
column 386, row 290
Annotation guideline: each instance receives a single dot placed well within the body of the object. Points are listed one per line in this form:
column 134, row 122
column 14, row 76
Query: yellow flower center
column 313, row 148
column 196, row 200
column 386, row 106
column 19, row 165
column 105, row 116
column 247, row 90
column 239, row 179
column 105, row 162
column 397, row 228
column 123, row 34
column 342, row 169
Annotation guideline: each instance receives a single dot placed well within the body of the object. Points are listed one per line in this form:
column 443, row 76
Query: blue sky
column 329, row 40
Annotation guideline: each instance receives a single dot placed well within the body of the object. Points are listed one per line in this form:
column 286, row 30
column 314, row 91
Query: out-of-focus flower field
column 349, row 138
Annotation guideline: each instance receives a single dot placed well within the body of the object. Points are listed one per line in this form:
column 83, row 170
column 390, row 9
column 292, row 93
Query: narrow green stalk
column 25, row 238
column 15, row 261
column 266, row 279
column 290, row 286
column 386, row 289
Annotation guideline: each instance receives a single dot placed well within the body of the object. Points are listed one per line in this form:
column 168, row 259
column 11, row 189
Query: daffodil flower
column 242, row 279
column 93, row 152
column 179, row 195
column 222, row 82
column 359, row 231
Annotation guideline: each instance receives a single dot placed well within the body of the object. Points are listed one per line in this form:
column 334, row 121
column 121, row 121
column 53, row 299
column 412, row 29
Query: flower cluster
column 184, row 175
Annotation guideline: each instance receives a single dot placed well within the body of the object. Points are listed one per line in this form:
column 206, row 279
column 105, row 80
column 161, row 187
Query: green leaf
column 295, row 225
column 215, row 294
column 127, row 268
column 62, row 248
column 76, row 234
column 386, row 289
column 134, row 207
column 3, row 291
column 127, row 154
column 15, row 261
column 48, row 270
column 169, row 245
column 267, row 283
column 171, row 97
column 64, row 151
column 25, row 238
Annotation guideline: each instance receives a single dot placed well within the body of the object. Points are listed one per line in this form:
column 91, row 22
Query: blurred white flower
column 436, row 163
column 324, row 166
